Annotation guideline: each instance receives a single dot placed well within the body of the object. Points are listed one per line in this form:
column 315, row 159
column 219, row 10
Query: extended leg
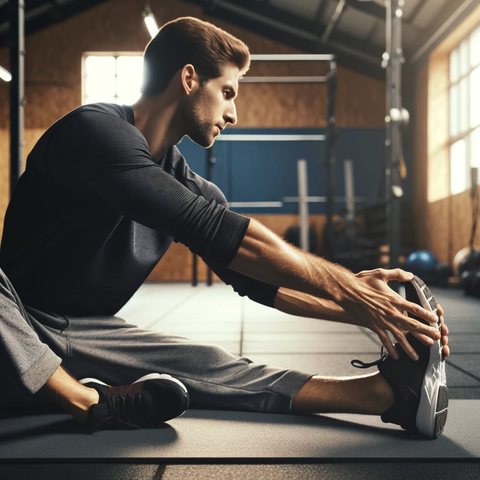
column 370, row 395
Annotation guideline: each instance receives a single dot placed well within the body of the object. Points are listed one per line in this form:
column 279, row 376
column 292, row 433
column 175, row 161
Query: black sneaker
column 420, row 387
column 148, row 402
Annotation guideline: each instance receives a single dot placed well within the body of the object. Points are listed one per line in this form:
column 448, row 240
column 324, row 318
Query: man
column 104, row 194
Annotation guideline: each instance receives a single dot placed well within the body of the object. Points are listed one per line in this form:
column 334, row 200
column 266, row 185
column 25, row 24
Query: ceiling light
column 5, row 74
column 150, row 21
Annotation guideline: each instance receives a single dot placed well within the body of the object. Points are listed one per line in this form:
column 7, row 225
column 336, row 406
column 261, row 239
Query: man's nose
column 231, row 115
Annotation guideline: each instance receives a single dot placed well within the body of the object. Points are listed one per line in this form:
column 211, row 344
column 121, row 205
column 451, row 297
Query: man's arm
column 364, row 296
column 305, row 305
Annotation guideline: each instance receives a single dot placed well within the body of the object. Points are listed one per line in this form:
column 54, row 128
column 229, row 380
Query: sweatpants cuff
column 285, row 388
column 41, row 371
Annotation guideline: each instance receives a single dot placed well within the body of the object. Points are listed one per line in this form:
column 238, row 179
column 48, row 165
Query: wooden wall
column 443, row 221
column 53, row 88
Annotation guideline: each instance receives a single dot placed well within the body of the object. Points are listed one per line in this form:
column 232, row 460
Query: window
column 112, row 78
column 464, row 111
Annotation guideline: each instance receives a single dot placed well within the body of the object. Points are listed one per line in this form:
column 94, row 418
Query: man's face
column 212, row 107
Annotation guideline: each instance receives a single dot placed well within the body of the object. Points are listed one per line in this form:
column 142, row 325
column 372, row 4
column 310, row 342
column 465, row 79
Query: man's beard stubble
column 198, row 128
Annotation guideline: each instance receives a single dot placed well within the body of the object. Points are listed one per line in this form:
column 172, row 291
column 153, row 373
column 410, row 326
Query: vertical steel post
column 16, row 43
column 392, row 61
column 330, row 149
column 303, row 204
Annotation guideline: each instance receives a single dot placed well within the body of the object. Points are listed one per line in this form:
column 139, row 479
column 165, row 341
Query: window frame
column 466, row 134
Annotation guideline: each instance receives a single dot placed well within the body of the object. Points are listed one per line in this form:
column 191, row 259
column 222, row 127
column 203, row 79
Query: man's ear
column 189, row 79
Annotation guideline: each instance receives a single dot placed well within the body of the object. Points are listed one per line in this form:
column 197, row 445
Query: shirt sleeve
column 101, row 154
column 255, row 290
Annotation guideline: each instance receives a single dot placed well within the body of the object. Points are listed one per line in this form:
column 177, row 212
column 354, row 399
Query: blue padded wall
column 267, row 171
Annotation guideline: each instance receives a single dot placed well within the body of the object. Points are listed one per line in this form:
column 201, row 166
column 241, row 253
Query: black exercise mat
column 209, row 436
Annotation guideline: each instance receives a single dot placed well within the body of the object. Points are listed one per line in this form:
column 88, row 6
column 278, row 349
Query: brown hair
column 188, row 40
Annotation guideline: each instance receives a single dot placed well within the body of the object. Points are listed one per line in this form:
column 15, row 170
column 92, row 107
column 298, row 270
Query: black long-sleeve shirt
column 92, row 215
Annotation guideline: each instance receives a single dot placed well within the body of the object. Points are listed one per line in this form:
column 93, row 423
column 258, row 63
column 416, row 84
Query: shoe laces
column 360, row 364
column 120, row 409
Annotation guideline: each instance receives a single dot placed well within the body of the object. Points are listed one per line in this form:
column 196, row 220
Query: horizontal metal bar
column 321, row 199
column 289, row 79
column 292, row 58
column 255, row 204
column 270, row 138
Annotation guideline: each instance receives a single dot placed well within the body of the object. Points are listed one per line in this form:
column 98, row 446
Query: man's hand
column 443, row 332
column 381, row 309
column 364, row 297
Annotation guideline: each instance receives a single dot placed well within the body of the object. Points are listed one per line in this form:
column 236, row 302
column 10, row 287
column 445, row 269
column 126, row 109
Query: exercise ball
column 442, row 273
column 423, row 264
column 458, row 258
column 470, row 262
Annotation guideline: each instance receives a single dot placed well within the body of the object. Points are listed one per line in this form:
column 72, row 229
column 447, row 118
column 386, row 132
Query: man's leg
column 370, row 395
column 66, row 391
column 30, row 369
column 119, row 352
column 32, row 345
column 26, row 363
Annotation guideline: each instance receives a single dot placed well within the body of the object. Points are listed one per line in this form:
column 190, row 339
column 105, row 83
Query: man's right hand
column 381, row 309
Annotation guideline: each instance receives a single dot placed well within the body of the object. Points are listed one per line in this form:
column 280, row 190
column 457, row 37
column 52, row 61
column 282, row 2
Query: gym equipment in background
column 423, row 264
column 466, row 263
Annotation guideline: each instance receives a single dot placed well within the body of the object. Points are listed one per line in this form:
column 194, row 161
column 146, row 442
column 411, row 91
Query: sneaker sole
column 433, row 406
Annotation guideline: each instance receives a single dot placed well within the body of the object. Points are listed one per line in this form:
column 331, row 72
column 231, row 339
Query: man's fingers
column 403, row 342
column 444, row 329
column 424, row 339
column 396, row 274
column 385, row 339
column 418, row 311
column 416, row 327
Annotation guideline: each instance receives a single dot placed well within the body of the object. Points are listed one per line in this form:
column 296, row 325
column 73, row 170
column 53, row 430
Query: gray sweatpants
column 34, row 344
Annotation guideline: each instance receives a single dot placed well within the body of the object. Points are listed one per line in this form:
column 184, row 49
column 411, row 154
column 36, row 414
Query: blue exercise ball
column 423, row 264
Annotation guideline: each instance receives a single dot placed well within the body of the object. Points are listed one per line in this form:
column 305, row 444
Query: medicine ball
column 442, row 272
column 469, row 262
column 423, row 264
column 459, row 256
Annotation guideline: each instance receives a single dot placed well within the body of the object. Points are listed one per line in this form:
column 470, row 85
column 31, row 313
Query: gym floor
column 217, row 315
